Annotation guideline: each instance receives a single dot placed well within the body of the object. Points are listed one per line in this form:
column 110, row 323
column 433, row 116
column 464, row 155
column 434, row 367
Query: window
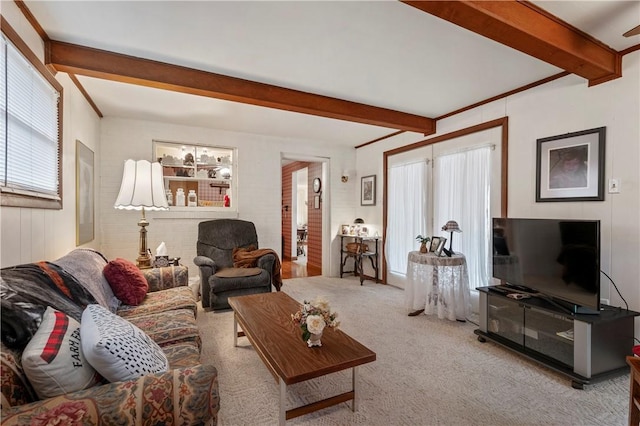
column 463, row 193
column 407, row 212
column 30, row 149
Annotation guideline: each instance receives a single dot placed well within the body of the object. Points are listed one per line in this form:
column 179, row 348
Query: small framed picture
column 344, row 229
column 435, row 241
column 368, row 191
column 440, row 247
column 364, row 232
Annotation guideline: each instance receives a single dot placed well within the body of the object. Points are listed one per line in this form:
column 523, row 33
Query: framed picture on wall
column 368, row 191
column 84, row 194
column 570, row 167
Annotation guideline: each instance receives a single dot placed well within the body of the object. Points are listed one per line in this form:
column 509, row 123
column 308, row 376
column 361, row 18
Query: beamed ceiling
column 342, row 72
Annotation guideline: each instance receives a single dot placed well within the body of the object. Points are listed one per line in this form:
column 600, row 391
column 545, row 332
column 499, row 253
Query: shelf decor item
column 312, row 318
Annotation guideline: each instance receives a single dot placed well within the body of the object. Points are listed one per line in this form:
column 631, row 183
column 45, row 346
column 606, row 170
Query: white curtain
column 406, row 212
column 462, row 193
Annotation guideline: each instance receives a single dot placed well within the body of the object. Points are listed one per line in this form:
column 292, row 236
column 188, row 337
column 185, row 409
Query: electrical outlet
column 614, row 186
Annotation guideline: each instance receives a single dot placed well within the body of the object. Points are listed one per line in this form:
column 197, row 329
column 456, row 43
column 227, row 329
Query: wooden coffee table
column 265, row 320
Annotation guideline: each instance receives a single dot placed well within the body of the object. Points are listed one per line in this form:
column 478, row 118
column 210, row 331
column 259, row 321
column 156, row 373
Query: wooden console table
column 437, row 285
column 359, row 256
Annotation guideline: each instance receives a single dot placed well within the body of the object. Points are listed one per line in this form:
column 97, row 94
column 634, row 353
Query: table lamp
column 142, row 188
column 451, row 226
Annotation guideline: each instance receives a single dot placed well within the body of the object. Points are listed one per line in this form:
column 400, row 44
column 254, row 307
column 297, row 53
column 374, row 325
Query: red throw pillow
column 127, row 281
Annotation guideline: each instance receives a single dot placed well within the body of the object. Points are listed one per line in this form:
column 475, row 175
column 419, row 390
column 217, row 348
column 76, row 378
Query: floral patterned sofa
column 186, row 394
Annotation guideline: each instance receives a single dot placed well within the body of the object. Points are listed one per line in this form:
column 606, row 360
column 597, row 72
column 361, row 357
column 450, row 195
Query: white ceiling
column 381, row 53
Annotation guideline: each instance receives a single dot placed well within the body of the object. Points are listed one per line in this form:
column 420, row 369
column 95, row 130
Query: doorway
column 302, row 218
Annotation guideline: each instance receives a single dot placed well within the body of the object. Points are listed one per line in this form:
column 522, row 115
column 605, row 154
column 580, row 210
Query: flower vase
column 423, row 248
column 314, row 340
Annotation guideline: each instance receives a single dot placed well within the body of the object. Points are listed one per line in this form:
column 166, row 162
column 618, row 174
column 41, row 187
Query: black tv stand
column 586, row 348
column 581, row 310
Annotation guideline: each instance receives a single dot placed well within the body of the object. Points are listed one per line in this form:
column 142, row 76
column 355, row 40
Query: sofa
column 184, row 393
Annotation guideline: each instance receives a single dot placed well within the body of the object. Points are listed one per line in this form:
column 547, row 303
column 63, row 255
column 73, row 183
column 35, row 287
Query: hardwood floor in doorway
column 297, row 269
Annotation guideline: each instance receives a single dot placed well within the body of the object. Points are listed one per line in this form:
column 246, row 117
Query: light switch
column 614, row 186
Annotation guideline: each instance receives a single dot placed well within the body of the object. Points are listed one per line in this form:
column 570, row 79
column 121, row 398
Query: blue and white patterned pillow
column 117, row 349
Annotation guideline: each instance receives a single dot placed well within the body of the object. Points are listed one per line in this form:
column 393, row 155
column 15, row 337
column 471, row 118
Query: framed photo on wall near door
column 368, row 191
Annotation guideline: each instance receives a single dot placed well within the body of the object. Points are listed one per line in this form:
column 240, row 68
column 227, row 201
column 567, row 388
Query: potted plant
column 423, row 243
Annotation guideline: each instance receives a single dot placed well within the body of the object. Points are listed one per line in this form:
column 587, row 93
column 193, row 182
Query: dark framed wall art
column 368, row 191
column 570, row 167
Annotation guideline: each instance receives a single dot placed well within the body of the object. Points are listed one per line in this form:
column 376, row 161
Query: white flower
column 315, row 324
column 321, row 303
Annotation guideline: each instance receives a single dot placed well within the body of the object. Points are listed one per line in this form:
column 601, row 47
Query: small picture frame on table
column 344, row 229
column 434, row 244
column 440, row 246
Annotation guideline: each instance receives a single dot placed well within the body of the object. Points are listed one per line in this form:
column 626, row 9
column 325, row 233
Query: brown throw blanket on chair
column 248, row 258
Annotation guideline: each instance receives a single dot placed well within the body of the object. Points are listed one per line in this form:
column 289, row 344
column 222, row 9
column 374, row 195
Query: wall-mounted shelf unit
column 209, row 171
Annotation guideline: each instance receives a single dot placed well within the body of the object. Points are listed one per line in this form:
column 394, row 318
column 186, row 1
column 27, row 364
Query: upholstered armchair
column 219, row 279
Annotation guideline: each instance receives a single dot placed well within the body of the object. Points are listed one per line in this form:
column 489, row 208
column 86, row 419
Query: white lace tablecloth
column 439, row 285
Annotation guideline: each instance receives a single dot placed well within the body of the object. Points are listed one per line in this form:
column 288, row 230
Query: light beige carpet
column 427, row 372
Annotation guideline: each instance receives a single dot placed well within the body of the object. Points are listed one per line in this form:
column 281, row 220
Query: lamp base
column 144, row 255
column 450, row 244
column 144, row 262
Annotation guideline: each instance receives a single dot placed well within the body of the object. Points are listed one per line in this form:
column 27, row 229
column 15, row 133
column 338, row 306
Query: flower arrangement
column 423, row 243
column 423, row 240
column 314, row 316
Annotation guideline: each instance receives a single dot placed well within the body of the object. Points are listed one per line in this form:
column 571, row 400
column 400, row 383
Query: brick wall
column 287, row 216
column 314, row 219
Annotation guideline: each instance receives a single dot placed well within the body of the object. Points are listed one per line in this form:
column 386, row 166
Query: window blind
column 29, row 128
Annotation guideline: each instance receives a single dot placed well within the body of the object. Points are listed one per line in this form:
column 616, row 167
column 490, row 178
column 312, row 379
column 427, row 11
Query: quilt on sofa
column 27, row 290
column 185, row 394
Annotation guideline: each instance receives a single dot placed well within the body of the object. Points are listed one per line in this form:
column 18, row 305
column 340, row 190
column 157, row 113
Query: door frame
column 325, row 204
column 504, row 146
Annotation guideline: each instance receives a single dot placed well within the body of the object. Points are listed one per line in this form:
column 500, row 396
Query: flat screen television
column 556, row 258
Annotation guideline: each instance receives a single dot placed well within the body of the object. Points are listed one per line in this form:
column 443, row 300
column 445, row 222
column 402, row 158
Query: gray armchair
column 219, row 279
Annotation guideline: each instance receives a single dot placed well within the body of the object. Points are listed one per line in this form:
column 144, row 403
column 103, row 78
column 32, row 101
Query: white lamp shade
column 142, row 187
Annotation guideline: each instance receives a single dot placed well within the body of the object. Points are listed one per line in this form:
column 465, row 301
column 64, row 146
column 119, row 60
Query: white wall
column 258, row 198
column 35, row 234
column 563, row 106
